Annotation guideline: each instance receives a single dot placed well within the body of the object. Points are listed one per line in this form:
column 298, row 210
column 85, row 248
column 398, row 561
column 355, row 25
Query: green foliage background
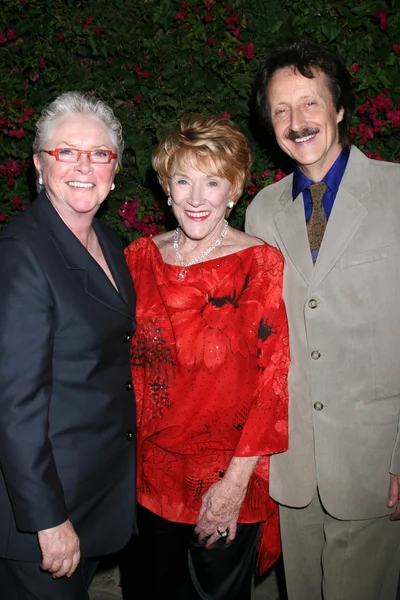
column 154, row 60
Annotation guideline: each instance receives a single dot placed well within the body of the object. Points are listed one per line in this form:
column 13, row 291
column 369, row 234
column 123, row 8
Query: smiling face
column 76, row 188
column 199, row 201
column 305, row 120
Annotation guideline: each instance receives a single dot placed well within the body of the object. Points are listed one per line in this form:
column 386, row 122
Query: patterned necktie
column 316, row 224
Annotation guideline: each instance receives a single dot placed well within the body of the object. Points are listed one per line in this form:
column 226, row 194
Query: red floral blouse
column 209, row 366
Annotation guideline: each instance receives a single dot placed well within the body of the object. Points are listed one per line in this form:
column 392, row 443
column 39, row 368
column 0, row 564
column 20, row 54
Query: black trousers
column 170, row 562
column 21, row 580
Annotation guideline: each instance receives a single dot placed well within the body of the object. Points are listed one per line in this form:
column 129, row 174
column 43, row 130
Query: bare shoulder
column 242, row 240
column 163, row 239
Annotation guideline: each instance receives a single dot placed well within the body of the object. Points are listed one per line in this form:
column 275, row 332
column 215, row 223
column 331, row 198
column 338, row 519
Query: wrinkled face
column 199, row 201
column 76, row 188
column 305, row 120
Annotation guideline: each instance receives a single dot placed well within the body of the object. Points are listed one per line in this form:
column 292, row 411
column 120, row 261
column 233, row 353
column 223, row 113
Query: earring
column 40, row 180
column 112, row 186
column 169, row 201
column 231, row 204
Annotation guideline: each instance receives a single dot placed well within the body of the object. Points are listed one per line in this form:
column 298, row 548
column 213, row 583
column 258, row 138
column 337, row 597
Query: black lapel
column 76, row 256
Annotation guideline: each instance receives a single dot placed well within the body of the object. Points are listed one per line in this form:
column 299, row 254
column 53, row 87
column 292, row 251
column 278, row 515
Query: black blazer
column 67, row 413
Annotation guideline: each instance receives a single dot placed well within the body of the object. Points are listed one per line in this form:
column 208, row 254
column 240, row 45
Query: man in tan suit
column 338, row 485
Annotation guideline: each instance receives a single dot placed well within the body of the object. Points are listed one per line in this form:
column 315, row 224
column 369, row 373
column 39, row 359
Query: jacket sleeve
column 265, row 431
column 26, row 347
column 395, row 462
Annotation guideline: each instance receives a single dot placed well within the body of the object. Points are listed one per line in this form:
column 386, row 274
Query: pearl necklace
column 181, row 275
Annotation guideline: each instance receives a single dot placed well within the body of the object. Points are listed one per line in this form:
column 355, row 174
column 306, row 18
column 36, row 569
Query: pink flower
column 362, row 109
column 11, row 35
column 35, row 77
column 2, row 217
column 265, row 174
column 211, row 42
column 252, row 189
column 279, row 174
column 354, row 67
column 229, row 8
column 41, row 62
column 396, row 48
column 208, row 18
column 247, row 50
column 209, row 4
column 3, row 39
column 382, row 15
column 99, row 31
column 374, row 155
column 137, row 98
column 16, row 203
column 89, row 20
column 225, row 115
column 182, row 14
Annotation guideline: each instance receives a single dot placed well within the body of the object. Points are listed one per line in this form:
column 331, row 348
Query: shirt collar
column 332, row 178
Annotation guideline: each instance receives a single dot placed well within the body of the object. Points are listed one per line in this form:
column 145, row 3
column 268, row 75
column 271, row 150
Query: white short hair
column 72, row 103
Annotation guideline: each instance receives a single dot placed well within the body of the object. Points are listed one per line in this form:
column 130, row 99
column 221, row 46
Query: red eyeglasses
column 72, row 155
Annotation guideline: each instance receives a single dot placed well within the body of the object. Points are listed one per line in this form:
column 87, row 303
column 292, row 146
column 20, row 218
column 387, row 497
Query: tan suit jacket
column 344, row 325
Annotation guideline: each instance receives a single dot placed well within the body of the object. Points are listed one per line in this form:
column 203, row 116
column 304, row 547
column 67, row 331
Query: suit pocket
column 367, row 256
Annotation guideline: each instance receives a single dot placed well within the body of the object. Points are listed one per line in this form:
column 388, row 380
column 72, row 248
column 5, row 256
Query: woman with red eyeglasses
column 67, row 416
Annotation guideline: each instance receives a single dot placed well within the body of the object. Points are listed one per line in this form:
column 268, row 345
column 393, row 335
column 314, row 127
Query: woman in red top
column 209, row 364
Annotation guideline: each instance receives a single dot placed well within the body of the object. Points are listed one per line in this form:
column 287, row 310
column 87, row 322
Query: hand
column 60, row 549
column 394, row 497
column 220, row 507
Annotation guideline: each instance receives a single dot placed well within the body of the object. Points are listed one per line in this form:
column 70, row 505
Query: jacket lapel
column 76, row 257
column 346, row 216
column 291, row 225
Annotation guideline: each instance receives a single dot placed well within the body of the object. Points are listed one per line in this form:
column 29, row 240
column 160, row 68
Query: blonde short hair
column 213, row 144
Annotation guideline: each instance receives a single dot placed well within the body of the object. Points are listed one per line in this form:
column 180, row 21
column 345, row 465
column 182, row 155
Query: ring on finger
column 223, row 534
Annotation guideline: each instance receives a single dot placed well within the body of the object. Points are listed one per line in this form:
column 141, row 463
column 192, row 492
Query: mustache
column 296, row 135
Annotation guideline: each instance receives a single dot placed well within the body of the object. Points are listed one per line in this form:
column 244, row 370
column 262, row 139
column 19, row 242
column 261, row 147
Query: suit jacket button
column 315, row 355
column 127, row 337
column 129, row 436
column 128, row 386
column 318, row 406
column 312, row 303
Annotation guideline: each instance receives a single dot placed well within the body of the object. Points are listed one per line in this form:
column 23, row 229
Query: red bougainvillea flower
column 208, row 325
column 211, row 42
column 265, row 174
column 225, row 115
column 208, row 18
column 229, row 8
column 99, row 31
column 279, row 174
column 16, row 203
column 137, row 98
column 2, row 217
column 247, row 50
column 396, row 48
column 209, row 4
column 3, row 39
column 252, row 189
column 374, row 155
column 60, row 36
column 354, row 67
column 382, row 14
column 35, row 77
column 11, row 35
column 41, row 62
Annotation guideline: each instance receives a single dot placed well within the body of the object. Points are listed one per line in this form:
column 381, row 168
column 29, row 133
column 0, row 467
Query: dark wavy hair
column 306, row 57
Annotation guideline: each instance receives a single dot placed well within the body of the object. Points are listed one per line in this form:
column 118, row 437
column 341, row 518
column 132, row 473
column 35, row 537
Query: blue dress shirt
column 332, row 179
